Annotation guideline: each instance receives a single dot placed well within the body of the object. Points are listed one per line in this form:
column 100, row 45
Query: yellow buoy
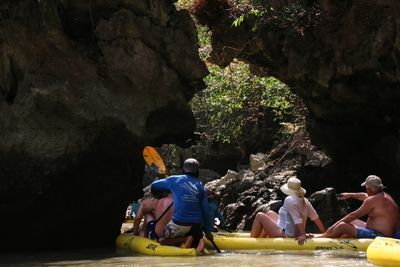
column 384, row 251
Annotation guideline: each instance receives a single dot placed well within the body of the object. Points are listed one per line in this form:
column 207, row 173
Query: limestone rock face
column 241, row 195
column 84, row 86
column 341, row 58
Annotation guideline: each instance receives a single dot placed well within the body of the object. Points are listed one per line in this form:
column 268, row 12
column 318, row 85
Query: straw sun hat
column 293, row 187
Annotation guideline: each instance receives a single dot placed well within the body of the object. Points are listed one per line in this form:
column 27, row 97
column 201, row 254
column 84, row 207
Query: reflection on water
column 226, row 258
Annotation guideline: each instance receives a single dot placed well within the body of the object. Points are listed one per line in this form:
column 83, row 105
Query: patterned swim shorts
column 174, row 230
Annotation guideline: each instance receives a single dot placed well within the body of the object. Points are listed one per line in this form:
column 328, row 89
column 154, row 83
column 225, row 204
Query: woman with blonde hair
column 292, row 217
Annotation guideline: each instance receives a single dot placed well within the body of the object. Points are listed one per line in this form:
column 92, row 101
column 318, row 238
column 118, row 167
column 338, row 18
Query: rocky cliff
column 84, row 85
column 241, row 195
column 340, row 57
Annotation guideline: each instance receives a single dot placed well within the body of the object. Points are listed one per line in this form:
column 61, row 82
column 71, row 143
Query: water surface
column 269, row 258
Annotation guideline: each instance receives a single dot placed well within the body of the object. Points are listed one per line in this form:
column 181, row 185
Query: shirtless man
column 157, row 212
column 382, row 211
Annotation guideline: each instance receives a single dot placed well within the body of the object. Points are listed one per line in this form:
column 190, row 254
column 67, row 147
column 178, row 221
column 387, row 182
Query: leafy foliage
column 204, row 35
column 235, row 98
column 255, row 14
column 295, row 16
column 185, row 4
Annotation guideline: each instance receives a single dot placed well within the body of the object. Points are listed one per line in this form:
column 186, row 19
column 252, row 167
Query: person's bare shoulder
column 165, row 202
column 376, row 199
column 148, row 205
column 371, row 200
column 389, row 197
column 390, row 201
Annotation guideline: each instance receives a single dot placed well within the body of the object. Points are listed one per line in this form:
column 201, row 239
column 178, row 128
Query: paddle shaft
column 215, row 245
column 222, row 228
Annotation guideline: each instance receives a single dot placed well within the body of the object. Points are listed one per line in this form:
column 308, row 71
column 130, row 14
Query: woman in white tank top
column 292, row 217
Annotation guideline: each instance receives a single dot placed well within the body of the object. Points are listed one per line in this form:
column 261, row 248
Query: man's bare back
column 151, row 209
column 383, row 213
column 161, row 206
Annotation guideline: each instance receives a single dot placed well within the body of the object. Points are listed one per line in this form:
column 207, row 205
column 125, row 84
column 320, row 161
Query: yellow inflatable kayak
column 150, row 247
column 232, row 234
column 384, row 251
column 249, row 243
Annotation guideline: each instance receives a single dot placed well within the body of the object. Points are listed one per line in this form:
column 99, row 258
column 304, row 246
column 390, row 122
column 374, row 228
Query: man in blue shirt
column 190, row 207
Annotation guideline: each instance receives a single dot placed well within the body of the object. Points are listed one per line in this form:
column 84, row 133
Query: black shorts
column 151, row 230
column 196, row 232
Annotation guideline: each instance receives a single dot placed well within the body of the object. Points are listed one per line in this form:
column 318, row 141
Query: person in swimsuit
column 292, row 217
column 381, row 209
column 156, row 212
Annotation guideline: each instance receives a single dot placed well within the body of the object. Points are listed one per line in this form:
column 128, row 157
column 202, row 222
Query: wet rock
column 340, row 59
column 207, row 175
column 246, row 193
column 328, row 206
column 257, row 163
column 84, row 86
column 233, row 213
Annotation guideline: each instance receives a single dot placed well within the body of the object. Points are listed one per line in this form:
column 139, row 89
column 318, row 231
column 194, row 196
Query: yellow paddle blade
column 151, row 157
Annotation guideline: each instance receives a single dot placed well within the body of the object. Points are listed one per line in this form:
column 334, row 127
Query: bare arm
column 138, row 218
column 302, row 233
column 359, row 196
column 136, row 222
column 320, row 225
column 361, row 211
column 365, row 208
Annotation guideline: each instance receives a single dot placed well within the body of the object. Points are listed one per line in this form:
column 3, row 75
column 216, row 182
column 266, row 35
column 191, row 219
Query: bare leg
column 189, row 241
column 256, row 227
column 274, row 216
column 263, row 234
column 359, row 223
column 266, row 223
column 200, row 246
column 342, row 229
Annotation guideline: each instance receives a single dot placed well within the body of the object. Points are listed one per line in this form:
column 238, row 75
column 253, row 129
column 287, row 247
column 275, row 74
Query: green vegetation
column 253, row 14
column 204, row 35
column 185, row 4
column 235, row 100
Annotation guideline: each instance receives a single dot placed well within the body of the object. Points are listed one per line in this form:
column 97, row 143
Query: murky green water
column 242, row 259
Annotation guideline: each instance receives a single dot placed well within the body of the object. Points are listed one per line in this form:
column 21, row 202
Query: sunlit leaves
column 238, row 21
column 234, row 98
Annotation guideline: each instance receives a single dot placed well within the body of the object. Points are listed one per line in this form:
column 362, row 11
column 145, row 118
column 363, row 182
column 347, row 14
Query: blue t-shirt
column 190, row 199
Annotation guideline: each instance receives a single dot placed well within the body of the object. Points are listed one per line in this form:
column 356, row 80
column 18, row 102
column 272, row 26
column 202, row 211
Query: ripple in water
column 269, row 258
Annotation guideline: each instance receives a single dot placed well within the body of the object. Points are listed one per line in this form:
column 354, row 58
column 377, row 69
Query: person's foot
column 200, row 247
column 188, row 243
